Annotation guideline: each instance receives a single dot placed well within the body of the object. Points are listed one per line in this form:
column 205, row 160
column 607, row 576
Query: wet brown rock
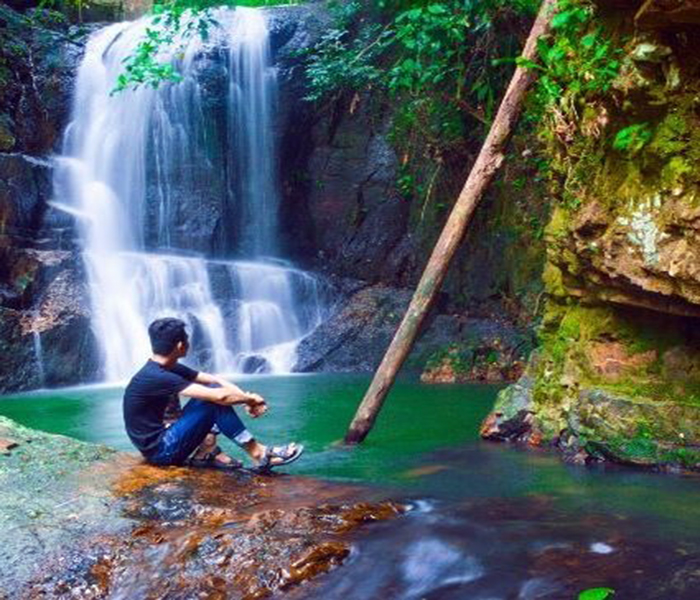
column 613, row 361
column 661, row 14
column 498, row 427
column 318, row 560
column 443, row 373
column 7, row 445
column 489, row 362
column 220, row 535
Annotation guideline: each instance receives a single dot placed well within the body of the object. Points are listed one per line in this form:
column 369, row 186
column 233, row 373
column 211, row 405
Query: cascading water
column 131, row 162
column 39, row 357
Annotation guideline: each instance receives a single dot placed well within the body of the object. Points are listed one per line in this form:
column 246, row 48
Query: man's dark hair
column 165, row 334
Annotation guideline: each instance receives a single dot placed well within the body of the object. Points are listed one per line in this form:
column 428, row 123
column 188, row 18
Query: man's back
column 146, row 398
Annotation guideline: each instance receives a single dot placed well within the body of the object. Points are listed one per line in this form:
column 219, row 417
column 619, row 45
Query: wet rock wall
column 45, row 332
column 616, row 375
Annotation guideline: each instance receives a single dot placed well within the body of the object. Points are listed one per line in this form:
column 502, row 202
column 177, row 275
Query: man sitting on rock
column 152, row 390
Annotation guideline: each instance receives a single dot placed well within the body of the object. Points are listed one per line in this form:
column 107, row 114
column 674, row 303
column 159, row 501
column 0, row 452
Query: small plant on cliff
column 578, row 64
column 341, row 62
column 632, row 139
column 580, row 58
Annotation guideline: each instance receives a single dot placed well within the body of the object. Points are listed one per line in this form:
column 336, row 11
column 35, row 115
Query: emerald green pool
column 312, row 409
column 425, row 447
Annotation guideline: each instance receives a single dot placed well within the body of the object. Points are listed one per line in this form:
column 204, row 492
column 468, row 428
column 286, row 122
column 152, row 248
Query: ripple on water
column 432, row 563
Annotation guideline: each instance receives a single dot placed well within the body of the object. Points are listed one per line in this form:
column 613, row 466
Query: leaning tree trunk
column 487, row 163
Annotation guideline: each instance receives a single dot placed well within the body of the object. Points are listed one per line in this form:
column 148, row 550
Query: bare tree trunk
column 487, row 163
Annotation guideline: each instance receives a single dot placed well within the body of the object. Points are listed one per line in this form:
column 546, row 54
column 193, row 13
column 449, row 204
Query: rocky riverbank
column 452, row 348
column 85, row 521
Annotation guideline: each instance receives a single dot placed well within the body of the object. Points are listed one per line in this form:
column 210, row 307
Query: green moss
column 675, row 172
column 672, row 135
column 688, row 458
column 647, row 452
column 641, row 407
column 558, row 226
column 553, row 281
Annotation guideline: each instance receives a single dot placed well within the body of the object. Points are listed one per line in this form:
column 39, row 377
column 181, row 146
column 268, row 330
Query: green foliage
column 578, row 59
column 633, row 138
column 173, row 23
column 432, row 62
column 576, row 66
column 340, row 62
column 596, row 594
column 416, row 49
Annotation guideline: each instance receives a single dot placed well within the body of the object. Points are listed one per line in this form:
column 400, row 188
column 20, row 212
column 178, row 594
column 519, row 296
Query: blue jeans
column 184, row 436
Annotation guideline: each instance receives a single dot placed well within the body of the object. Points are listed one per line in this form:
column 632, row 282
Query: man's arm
column 209, row 379
column 227, row 393
column 219, row 395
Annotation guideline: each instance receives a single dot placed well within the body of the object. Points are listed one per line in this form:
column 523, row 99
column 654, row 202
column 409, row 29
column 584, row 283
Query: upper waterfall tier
column 154, row 172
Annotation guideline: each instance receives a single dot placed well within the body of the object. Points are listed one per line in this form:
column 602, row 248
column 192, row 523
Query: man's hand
column 256, row 405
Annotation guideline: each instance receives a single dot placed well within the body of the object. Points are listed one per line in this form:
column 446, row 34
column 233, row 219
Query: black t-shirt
column 147, row 396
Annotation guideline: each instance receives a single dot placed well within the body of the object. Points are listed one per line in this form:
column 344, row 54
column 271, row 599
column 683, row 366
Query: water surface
column 488, row 520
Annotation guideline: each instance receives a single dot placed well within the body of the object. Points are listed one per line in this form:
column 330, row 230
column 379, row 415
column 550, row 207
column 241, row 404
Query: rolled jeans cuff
column 243, row 437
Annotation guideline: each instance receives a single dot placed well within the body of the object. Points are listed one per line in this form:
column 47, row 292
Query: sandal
column 285, row 454
column 208, row 461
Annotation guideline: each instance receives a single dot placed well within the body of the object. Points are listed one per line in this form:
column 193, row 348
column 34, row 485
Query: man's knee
column 201, row 410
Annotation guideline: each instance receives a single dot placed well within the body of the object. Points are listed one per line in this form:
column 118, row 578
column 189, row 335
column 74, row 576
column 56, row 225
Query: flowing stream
column 159, row 185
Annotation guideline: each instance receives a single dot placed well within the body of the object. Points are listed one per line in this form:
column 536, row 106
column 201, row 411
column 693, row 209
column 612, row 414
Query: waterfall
column 147, row 172
column 39, row 357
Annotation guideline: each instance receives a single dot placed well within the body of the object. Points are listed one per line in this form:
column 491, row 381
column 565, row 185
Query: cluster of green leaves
column 173, row 24
column 578, row 59
column 632, row 139
column 414, row 48
column 600, row 593
column 343, row 61
column 576, row 67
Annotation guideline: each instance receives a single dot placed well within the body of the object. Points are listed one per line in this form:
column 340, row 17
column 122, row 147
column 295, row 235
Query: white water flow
column 139, row 172
column 39, row 356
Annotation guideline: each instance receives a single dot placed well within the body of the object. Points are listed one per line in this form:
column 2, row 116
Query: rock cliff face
column 617, row 374
column 44, row 315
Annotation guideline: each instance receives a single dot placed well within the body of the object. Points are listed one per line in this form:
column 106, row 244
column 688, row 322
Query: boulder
column 47, row 337
column 364, row 319
column 256, row 364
